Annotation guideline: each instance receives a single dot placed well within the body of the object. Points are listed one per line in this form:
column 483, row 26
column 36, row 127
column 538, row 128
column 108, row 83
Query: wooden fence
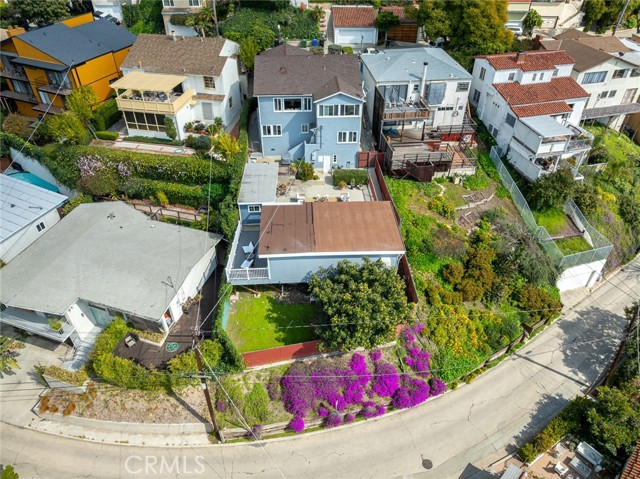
column 283, row 353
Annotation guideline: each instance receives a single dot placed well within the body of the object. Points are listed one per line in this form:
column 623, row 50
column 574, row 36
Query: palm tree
column 208, row 17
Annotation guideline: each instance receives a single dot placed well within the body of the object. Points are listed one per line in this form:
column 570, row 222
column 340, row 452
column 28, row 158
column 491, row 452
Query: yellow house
column 42, row 66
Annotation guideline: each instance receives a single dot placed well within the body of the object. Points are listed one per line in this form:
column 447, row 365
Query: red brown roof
column 529, row 61
column 632, row 468
column 541, row 98
column 319, row 227
column 363, row 16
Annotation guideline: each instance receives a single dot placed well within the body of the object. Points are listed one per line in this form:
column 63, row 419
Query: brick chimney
column 520, row 57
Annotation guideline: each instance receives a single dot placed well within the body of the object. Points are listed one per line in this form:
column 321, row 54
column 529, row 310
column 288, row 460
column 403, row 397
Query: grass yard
column 266, row 322
column 573, row 245
column 555, row 220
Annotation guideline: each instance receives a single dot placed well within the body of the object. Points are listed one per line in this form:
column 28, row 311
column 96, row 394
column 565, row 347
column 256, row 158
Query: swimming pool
column 34, row 180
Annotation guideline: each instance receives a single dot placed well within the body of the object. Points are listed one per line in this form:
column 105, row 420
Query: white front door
column 326, row 163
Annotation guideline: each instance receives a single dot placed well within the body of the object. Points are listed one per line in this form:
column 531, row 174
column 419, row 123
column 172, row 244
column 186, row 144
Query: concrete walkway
column 153, row 148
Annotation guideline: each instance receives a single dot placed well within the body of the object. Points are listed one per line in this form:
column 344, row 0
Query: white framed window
column 44, row 97
column 40, row 226
column 347, row 137
column 277, row 104
column 167, row 3
column 209, row 82
column 292, row 104
column 304, row 127
column 271, row 130
column 307, row 104
column 230, row 102
column 535, row 76
column 622, row 73
column 483, row 72
column 512, row 76
column 612, row 93
column 476, row 95
column 339, row 110
column 207, row 110
column 328, row 110
column 542, row 76
column 255, row 208
column 349, row 110
column 594, row 77
column 462, row 86
column 194, row 3
column 555, row 72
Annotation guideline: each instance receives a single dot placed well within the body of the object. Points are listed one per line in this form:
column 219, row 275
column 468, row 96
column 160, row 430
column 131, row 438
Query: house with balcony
column 185, row 79
column 26, row 212
column 113, row 260
column 532, row 107
column 608, row 69
column 43, row 66
column 416, row 102
column 309, row 106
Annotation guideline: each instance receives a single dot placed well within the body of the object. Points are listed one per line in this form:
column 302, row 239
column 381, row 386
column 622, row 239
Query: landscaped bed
column 270, row 320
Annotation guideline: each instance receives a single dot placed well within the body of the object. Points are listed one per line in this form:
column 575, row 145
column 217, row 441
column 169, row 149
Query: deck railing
column 247, row 274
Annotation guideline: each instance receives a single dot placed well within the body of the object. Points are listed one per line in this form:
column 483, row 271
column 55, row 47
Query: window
column 510, row 120
column 349, row 110
column 292, row 104
column 277, row 104
column 476, row 96
column 306, row 104
column 462, row 86
column 542, row 76
column 209, row 82
column 207, row 110
column 167, row 3
column 44, row 97
column 416, row 87
column 57, row 79
column 612, row 93
column 347, row 137
column 304, row 127
column 445, row 108
column 483, row 72
column 194, row 3
column 328, row 110
column 635, row 72
column 622, row 73
column 144, row 121
column 40, row 226
column 594, row 77
column 535, row 75
column 255, row 208
column 512, row 76
column 555, row 72
column 22, row 87
column 230, row 102
column 629, row 96
column 271, row 130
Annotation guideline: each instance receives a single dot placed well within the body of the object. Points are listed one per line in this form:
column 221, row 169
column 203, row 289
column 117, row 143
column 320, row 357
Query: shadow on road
column 472, row 472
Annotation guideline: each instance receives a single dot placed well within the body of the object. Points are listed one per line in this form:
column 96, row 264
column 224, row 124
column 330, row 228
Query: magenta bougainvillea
column 412, row 392
column 407, row 335
column 333, row 420
column 348, row 418
column 297, row 424
column 437, row 387
column 386, row 380
column 375, row 355
column 323, row 411
column 418, row 360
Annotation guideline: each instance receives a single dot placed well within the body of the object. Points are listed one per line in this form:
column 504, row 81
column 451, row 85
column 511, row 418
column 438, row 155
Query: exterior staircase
column 82, row 347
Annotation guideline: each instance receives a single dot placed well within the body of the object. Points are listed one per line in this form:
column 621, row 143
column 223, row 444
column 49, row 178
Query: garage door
column 354, row 36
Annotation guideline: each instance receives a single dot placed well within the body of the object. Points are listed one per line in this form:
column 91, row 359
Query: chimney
column 423, row 81
column 537, row 43
column 520, row 57
column 173, row 35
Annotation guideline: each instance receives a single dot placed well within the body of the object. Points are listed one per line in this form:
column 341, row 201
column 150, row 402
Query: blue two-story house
column 309, row 106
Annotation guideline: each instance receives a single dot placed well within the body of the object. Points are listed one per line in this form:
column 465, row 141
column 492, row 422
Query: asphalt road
column 452, row 433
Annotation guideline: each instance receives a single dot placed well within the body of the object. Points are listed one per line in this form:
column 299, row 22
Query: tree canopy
column 248, row 50
column 38, row 11
column 81, row 102
column 532, row 20
column 385, row 21
column 553, row 190
column 363, row 304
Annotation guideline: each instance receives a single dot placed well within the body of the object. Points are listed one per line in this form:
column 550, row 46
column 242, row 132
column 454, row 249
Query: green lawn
column 553, row 219
column 573, row 245
column 264, row 322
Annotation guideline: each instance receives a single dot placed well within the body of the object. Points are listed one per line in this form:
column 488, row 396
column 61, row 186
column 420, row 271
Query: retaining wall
column 283, row 353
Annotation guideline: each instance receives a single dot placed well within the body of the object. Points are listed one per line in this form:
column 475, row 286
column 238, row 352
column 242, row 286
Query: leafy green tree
column 248, row 51
column 144, row 16
column 593, row 10
column 8, row 472
column 532, row 20
column 385, row 21
column 553, row 190
column 630, row 210
column 263, row 35
column 38, row 11
column 81, row 102
column 16, row 125
column 431, row 15
column 614, row 420
column 363, row 304
column 206, row 20
column 65, row 128
column 226, row 145
column 8, row 354
column 170, row 128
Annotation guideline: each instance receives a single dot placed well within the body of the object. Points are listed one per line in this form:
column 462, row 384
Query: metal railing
column 601, row 247
column 247, row 274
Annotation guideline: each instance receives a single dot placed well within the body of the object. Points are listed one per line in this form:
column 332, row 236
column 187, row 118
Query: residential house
column 632, row 467
column 516, row 12
column 309, row 106
column 608, row 69
column 26, row 212
column 44, row 65
column 408, row 30
column 285, row 243
column 417, row 107
column 532, row 106
column 185, row 79
column 354, row 25
column 558, row 14
column 175, row 12
column 101, row 260
column 102, row 8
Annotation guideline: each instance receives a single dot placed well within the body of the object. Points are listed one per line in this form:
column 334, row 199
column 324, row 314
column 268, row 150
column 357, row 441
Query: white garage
column 354, row 25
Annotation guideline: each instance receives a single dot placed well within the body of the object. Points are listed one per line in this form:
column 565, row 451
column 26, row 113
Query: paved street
column 458, row 433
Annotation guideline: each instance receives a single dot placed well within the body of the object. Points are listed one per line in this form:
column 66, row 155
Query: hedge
column 75, row 378
column 108, row 135
column 106, row 115
column 176, row 193
column 360, row 176
column 231, row 360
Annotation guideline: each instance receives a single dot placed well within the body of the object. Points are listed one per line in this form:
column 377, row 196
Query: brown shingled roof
column 632, row 468
column 286, row 72
column 587, row 50
column 363, row 16
column 329, row 228
column 541, row 98
column 186, row 55
column 529, row 61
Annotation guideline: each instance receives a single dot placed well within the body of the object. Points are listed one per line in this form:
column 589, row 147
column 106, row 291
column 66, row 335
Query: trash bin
column 314, row 42
column 322, row 42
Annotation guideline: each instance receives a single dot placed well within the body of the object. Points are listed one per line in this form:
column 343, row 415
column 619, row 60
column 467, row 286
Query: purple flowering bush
column 437, row 386
column 349, row 418
column 323, row 411
column 418, row 360
column 375, row 355
column 407, row 335
column 386, row 380
column 368, row 409
column 412, row 392
column 333, row 420
column 297, row 424
column 273, row 387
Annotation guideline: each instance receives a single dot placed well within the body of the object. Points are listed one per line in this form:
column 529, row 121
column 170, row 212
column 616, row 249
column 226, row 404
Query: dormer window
column 512, row 76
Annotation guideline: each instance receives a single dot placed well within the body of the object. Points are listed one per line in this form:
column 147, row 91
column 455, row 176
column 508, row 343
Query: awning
column 604, row 111
column 142, row 81
column 546, row 126
column 40, row 64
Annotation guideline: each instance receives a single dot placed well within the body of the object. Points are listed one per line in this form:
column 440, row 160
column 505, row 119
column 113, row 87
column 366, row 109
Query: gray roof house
column 26, row 212
column 105, row 259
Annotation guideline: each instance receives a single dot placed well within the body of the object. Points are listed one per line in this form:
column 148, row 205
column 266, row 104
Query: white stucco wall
column 582, row 276
column 32, row 166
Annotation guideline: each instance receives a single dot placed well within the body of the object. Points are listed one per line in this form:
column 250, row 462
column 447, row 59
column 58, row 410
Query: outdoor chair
column 248, row 249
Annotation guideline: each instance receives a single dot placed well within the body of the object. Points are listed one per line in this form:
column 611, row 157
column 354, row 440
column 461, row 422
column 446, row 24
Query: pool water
column 34, row 180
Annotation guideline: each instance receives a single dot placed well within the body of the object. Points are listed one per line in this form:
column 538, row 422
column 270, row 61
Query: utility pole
column 215, row 17
column 203, row 384
column 623, row 343
column 615, row 27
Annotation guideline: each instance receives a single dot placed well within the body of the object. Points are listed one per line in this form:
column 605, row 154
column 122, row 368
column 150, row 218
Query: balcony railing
column 154, row 103
column 13, row 73
column 35, row 324
column 56, row 89
column 247, row 274
column 405, row 111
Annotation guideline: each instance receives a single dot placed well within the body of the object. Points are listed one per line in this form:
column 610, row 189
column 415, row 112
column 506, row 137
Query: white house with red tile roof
column 532, row 107
column 354, row 25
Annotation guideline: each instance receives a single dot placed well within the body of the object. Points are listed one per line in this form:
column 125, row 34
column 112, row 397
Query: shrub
column 108, row 135
column 412, row 392
column 154, row 140
column 386, row 380
column 477, row 181
column 333, row 420
column 539, row 303
column 170, row 128
column 162, row 198
column 105, row 115
column 16, row 125
column 297, row 424
column 232, row 392
column 75, row 202
column 442, row 207
column 174, row 193
column 437, row 387
column 200, row 143
column 317, row 50
column 350, row 176
column 453, row 273
column 71, row 406
column 304, row 171
column 347, row 50
column 184, row 364
column 96, row 177
column 75, row 378
column 553, row 190
column 348, row 418
column 256, row 405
